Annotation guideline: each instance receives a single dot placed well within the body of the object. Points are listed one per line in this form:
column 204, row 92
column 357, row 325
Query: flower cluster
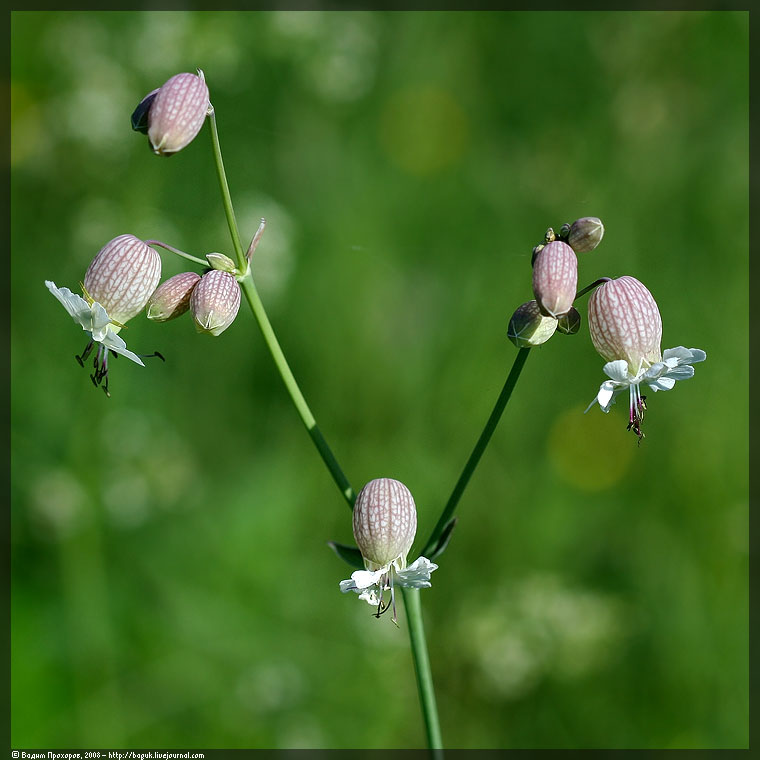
column 123, row 277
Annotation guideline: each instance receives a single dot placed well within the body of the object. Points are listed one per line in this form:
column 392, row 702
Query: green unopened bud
column 536, row 250
column 585, row 234
column 529, row 328
column 172, row 298
column 215, row 301
column 177, row 113
column 555, row 278
column 221, row 262
column 123, row 276
column 570, row 323
column 564, row 231
column 384, row 522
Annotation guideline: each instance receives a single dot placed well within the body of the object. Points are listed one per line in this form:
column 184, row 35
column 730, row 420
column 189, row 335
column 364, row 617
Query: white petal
column 99, row 322
column 417, row 575
column 115, row 343
column 685, row 355
column 370, row 596
column 617, row 370
column 681, row 373
column 76, row 306
column 348, row 585
column 367, row 578
column 662, row 384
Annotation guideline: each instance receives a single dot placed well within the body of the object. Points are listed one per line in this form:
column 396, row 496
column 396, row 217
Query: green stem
column 252, row 296
column 178, row 252
column 226, row 197
column 422, row 670
column 477, row 452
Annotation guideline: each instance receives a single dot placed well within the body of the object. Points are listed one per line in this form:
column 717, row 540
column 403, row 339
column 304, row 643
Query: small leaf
column 349, row 554
column 443, row 539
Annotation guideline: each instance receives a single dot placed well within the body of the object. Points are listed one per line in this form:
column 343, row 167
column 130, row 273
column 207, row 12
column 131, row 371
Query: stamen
column 83, row 358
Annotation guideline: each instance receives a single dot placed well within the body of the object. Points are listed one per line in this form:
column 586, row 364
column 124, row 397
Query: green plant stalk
column 477, row 452
column 257, row 307
column 422, row 670
column 411, row 596
column 229, row 212
column 252, row 296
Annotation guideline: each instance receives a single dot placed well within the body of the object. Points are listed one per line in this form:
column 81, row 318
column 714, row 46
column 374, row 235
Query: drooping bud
column 624, row 323
column 384, row 522
column 177, row 113
column 123, row 276
column 172, row 298
column 528, row 327
column 140, row 114
column 555, row 278
column 215, row 301
column 585, row 234
column 570, row 323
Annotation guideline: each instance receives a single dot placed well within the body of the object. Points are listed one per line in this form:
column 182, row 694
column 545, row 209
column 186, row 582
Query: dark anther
column 150, row 356
column 79, row 359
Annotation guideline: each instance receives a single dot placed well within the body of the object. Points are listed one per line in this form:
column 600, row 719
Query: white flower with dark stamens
column 555, row 278
column 215, row 301
column 384, row 525
column 117, row 285
column 626, row 329
column 177, row 112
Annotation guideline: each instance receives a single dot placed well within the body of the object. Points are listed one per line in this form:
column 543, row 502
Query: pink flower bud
column 385, row 522
column 172, row 297
column 215, row 301
column 585, row 234
column 528, row 327
column 555, row 278
column 624, row 323
column 177, row 113
column 123, row 276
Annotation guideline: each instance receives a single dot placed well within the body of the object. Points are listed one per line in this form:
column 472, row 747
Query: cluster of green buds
column 555, row 283
column 123, row 279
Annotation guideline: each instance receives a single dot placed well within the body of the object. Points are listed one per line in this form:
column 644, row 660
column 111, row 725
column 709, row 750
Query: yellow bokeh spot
column 591, row 451
column 423, row 129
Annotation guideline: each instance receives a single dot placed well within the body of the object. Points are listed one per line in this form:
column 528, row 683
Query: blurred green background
column 172, row 586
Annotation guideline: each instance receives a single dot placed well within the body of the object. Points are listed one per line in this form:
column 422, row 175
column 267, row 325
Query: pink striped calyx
column 123, row 276
column 215, row 301
column 177, row 112
column 555, row 278
column 172, row 297
column 384, row 523
column 624, row 323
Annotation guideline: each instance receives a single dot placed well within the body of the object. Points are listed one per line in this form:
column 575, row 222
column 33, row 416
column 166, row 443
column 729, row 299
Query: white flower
column 94, row 320
column 370, row 584
column 660, row 376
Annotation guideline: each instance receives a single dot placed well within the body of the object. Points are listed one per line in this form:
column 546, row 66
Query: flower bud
column 528, row 327
column 570, row 323
column 215, row 301
column 220, row 261
column 177, row 113
column 624, row 323
column 555, row 278
column 123, row 276
column 585, row 234
column 140, row 114
column 384, row 522
column 172, row 297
